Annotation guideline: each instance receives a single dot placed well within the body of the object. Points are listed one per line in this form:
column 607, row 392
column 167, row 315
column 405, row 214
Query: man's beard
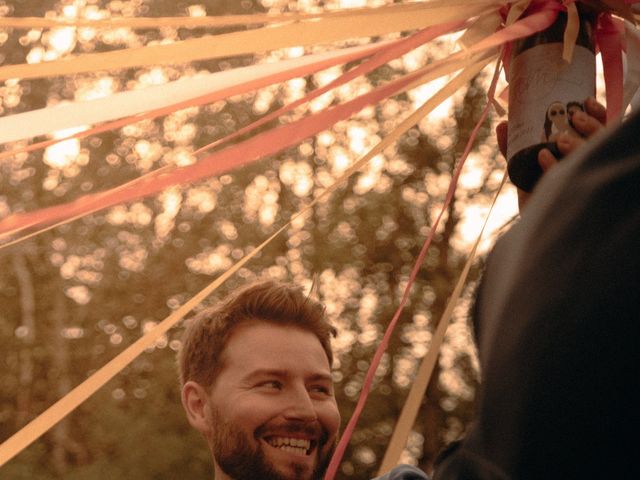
column 237, row 456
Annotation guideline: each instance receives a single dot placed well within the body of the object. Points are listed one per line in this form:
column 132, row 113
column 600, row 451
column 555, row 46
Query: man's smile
column 300, row 446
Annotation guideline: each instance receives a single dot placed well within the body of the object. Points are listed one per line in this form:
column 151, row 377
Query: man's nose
column 300, row 406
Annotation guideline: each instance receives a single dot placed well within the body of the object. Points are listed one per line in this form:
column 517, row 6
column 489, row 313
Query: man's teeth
column 295, row 445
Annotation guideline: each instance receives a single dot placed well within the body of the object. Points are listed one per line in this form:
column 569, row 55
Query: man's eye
column 271, row 384
column 321, row 389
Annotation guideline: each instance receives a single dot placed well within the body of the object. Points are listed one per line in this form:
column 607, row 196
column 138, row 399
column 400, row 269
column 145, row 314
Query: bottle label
column 545, row 91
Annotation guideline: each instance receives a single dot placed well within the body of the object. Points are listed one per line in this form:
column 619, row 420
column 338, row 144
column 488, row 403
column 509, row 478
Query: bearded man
column 256, row 383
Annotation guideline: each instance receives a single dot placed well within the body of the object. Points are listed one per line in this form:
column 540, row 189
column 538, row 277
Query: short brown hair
column 269, row 301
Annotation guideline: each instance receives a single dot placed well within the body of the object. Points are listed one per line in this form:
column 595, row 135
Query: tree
column 74, row 297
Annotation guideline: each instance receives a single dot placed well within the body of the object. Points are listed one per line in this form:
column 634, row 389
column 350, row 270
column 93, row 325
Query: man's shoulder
column 404, row 472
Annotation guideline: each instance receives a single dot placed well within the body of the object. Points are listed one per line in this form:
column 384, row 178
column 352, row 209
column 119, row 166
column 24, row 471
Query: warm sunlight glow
column 62, row 40
column 426, row 91
column 473, row 217
column 62, row 154
column 94, row 89
column 340, row 160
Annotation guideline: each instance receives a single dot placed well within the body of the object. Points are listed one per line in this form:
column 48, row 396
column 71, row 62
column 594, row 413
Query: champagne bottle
column 545, row 91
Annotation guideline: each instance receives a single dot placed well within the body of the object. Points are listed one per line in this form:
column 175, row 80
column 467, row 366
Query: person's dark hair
column 574, row 104
column 569, row 115
column 269, row 301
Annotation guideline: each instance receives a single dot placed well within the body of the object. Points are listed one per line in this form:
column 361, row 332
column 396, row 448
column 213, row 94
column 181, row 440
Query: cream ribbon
column 122, row 104
column 367, row 23
column 426, row 74
column 571, row 31
column 412, row 404
column 213, row 21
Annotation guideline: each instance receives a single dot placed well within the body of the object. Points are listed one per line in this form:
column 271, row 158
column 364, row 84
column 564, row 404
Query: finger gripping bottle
column 545, row 91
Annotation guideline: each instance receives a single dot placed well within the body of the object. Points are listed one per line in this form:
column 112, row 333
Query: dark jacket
column 404, row 472
column 557, row 319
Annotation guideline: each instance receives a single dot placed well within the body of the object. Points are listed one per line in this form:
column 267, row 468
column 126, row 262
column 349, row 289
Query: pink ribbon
column 250, row 150
column 249, row 85
column 380, row 58
column 257, row 147
column 609, row 40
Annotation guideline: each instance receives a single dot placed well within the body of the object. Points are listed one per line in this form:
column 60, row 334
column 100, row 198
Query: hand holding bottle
column 585, row 123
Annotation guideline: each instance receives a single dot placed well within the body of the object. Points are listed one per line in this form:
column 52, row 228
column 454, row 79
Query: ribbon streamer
column 368, row 23
column 409, row 413
column 481, row 28
column 332, row 469
column 210, row 21
column 242, row 153
column 571, row 31
column 414, row 399
column 231, row 158
column 113, row 196
column 50, row 417
column 610, row 42
column 67, row 404
column 377, row 60
column 162, row 99
column 230, row 83
column 632, row 78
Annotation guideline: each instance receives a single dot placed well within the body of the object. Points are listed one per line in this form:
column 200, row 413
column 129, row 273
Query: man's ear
column 194, row 400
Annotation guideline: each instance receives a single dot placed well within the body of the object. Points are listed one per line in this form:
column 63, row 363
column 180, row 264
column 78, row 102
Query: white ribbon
column 119, row 105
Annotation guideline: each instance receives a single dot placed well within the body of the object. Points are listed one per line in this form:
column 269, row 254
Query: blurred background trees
column 75, row 296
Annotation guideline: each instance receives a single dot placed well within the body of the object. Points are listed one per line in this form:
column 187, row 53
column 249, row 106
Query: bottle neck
column 555, row 33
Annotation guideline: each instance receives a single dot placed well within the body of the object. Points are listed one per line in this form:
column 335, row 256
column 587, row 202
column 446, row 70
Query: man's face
column 272, row 409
